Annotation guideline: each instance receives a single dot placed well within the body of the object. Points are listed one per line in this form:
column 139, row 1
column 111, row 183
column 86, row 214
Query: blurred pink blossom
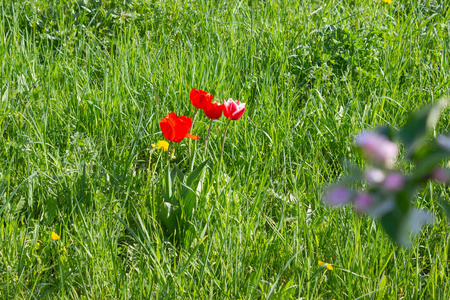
column 378, row 147
column 440, row 175
column 374, row 176
column 337, row 196
column 394, row 182
column 363, row 202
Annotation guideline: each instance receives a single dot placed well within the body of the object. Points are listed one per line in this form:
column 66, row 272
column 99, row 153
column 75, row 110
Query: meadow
column 84, row 85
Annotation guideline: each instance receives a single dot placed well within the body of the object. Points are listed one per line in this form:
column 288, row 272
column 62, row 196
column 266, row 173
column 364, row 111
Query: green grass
column 83, row 87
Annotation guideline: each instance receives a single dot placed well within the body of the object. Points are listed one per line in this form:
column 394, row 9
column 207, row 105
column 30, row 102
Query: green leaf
column 381, row 290
column 170, row 181
column 188, row 201
column 176, row 173
column 194, row 174
column 390, row 224
column 168, row 214
column 413, row 133
column 446, row 207
column 286, row 265
column 403, row 200
column 167, row 183
column 189, row 191
column 393, row 223
column 51, row 206
column 5, row 95
column 387, row 131
column 428, row 163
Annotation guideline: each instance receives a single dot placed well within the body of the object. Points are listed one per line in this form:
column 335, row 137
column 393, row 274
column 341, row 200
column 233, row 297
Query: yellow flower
column 387, row 1
column 328, row 266
column 163, row 144
column 38, row 244
column 55, row 236
column 64, row 249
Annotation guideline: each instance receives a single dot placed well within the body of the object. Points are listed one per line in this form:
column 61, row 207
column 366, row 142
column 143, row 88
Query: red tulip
column 213, row 110
column 200, row 98
column 176, row 128
column 233, row 109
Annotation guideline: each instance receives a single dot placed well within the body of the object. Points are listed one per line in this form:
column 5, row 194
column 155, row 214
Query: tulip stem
column 167, row 153
column 207, row 136
column 223, row 143
column 193, row 120
column 190, row 130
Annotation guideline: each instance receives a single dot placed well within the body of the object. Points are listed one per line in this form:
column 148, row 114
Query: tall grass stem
column 207, row 136
column 223, row 143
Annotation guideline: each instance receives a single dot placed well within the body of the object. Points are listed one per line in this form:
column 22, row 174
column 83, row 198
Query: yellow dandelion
column 387, row 1
column 163, row 144
column 55, row 236
column 38, row 244
column 324, row 264
column 64, row 249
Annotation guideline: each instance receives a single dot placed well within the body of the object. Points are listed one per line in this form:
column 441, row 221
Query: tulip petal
column 180, row 132
column 237, row 114
column 186, row 121
column 175, row 128
column 167, row 130
column 233, row 109
column 213, row 110
column 191, row 136
column 200, row 98
column 167, row 125
column 226, row 108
